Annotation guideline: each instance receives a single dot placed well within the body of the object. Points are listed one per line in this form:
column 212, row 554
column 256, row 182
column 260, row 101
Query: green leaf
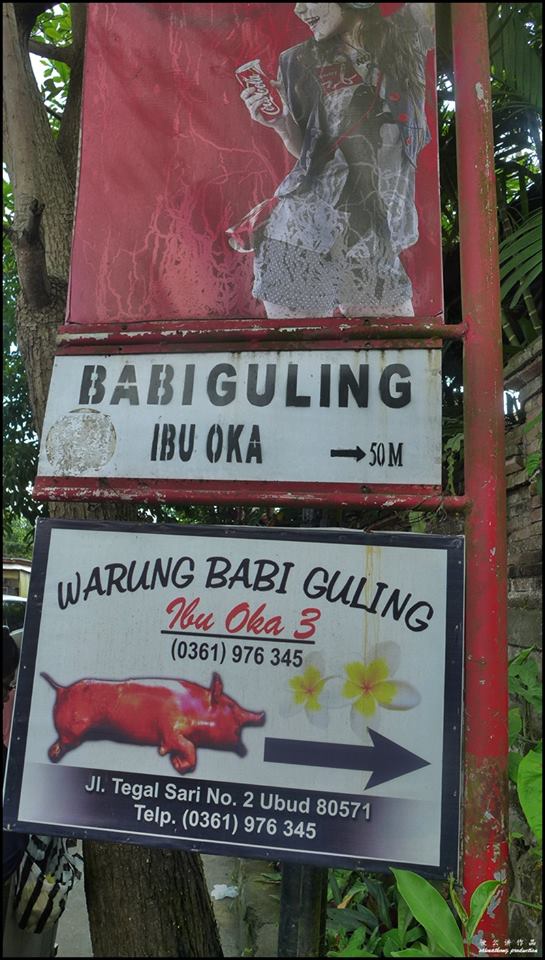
column 529, row 787
column 521, row 258
column 376, row 889
column 457, row 903
column 354, row 947
column 530, row 424
column 520, row 658
column 522, row 272
column 533, row 463
column 422, row 951
column 514, row 60
column 391, row 941
column 415, row 933
column 513, row 765
column 515, row 724
column 404, row 917
column 524, row 680
column 350, row 953
column 480, row 902
column 430, row 909
column 530, row 276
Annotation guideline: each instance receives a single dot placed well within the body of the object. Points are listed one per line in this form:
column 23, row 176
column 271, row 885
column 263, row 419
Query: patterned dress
column 346, row 210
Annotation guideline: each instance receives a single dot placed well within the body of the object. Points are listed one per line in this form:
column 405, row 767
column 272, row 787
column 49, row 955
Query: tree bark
column 141, row 902
column 154, row 889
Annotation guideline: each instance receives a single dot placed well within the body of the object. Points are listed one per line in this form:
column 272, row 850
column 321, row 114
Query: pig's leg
column 72, row 729
column 61, row 746
column 183, row 755
column 184, row 764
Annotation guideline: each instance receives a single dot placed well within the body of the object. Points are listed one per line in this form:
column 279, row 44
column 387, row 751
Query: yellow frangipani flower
column 307, row 686
column 368, row 683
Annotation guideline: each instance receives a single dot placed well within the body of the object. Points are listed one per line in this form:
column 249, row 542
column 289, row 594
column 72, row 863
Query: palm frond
column 521, row 257
column 515, row 60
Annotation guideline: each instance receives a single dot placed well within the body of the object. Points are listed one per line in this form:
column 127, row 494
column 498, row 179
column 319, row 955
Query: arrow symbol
column 387, row 760
column 358, row 454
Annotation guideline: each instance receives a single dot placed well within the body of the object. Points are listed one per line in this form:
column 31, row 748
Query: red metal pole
column 486, row 710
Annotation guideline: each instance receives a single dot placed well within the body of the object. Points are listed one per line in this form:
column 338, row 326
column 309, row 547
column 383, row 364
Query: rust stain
column 485, row 805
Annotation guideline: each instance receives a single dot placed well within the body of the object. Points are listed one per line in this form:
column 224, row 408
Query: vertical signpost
column 486, row 810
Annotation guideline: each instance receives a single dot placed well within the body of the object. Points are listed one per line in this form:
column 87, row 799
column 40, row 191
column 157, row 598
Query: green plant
column 453, row 455
column 367, row 917
column 417, row 521
column 407, row 919
column 534, row 460
column 529, row 789
column 525, row 754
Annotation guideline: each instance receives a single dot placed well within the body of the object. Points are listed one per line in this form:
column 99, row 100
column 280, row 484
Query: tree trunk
column 161, row 902
column 142, row 902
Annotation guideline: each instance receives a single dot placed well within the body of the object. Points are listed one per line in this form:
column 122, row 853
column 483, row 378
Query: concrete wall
column 524, row 539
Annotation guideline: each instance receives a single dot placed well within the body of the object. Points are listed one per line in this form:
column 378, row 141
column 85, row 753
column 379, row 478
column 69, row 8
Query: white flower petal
column 360, row 723
column 405, row 698
column 331, row 696
column 287, row 706
column 314, row 660
column 318, row 718
column 388, row 651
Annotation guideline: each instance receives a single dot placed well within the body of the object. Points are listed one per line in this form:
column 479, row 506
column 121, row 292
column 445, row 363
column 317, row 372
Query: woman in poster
column 353, row 116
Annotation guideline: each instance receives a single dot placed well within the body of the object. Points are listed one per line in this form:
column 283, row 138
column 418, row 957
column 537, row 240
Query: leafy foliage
column 54, row 26
column 20, row 447
column 410, row 918
column 521, row 258
column 525, row 755
column 515, row 32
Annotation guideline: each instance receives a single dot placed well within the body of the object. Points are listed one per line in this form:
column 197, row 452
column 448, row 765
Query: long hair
column 392, row 43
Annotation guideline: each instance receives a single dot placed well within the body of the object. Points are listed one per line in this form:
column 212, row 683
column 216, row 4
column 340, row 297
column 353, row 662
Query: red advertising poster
column 244, row 160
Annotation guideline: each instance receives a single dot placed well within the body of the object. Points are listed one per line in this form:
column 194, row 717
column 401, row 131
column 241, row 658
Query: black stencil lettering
column 325, row 385
column 233, row 446
column 228, row 389
column 92, row 384
column 292, row 398
column 264, row 398
column 160, row 390
column 254, row 446
column 186, row 450
column 358, row 388
column 189, row 381
column 402, row 395
column 214, row 443
column 126, row 388
column 167, row 441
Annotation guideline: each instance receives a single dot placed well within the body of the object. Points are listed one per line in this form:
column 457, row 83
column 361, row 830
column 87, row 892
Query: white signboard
column 283, row 693
column 335, row 416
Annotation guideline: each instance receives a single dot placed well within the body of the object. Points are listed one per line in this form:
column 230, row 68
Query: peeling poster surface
column 171, row 160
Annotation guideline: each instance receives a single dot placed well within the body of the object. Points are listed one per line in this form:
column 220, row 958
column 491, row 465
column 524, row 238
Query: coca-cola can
column 251, row 74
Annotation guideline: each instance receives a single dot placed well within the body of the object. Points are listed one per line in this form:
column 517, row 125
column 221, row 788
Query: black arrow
column 358, row 453
column 387, row 760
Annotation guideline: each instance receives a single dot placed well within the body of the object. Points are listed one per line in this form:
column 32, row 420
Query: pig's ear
column 216, row 689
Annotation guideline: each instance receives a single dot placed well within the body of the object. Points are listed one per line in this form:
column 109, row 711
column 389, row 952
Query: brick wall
column 524, row 501
column 524, row 623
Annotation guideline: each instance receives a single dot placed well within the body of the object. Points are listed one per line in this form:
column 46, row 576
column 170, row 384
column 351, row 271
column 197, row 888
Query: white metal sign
column 338, row 416
column 287, row 693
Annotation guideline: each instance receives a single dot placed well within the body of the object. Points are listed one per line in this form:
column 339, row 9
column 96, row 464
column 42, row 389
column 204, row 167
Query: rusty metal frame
column 486, row 798
column 210, row 336
column 485, row 846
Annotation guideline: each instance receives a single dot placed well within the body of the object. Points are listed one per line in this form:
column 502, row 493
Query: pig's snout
column 252, row 718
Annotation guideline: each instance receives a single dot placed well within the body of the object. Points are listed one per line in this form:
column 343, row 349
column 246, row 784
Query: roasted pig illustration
column 177, row 716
